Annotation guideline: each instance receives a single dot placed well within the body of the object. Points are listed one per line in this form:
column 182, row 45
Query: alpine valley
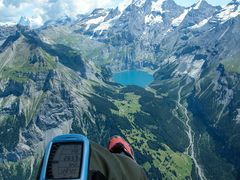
column 56, row 79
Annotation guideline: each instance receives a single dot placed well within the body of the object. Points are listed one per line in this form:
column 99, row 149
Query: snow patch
column 24, row 21
column 198, row 4
column 228, row 12
column 103, row 26
column 150, row 19
column 170, row 60
column 122, row 6
column 107, row 24
column 195, row 69
column 33, row 22
column 94, row 21
column 200, row 24
column 157, row 6
column 177, row 21
column 187, row 66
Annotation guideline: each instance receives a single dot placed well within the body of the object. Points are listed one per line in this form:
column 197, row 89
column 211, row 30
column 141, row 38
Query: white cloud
column 41, row 10
column 36, row 21
column 1, row 4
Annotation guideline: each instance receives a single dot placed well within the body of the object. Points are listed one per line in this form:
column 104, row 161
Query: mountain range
column 57, row 79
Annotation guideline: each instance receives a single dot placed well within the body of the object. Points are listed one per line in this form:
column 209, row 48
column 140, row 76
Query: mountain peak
column 198, row 4
column 157, row 5
column 201, row 4
column 230, row 11
column 122, row 6
column 24, row 21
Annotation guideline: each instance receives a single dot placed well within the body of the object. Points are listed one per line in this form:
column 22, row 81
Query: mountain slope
column 212, row 98
column 196, row 52
column 49, row 89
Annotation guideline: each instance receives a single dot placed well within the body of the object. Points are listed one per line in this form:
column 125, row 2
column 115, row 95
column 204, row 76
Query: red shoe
column 118, row 145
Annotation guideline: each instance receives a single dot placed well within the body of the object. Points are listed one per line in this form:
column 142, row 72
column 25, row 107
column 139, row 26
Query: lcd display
column 65, row 161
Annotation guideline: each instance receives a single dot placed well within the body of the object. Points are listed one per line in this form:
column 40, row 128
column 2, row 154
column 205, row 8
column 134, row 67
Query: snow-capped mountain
column 160, row 16
column 24, row 21
column 147, row 18
column 151, row 26
column 132, row 15
column 196, row 14
column 222, row 15
column 232, row 10
column 93, row 20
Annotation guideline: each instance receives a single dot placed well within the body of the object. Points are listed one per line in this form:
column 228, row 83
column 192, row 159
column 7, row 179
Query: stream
column 190, row 134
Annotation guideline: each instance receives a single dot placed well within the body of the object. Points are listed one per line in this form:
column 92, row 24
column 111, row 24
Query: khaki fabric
column 114, row 166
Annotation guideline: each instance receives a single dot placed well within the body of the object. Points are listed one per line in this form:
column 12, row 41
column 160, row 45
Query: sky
column 39, row 11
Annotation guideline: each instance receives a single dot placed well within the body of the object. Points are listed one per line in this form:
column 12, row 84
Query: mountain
column 138, row 29
column 128, row 20
column 190, row 47
column 196, row 14
column 185, row 125
column 47, row 89
column 9, row 29
column 6, row 31
column 24, row 21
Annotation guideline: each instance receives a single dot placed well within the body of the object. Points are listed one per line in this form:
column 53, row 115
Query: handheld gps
column 66, row 157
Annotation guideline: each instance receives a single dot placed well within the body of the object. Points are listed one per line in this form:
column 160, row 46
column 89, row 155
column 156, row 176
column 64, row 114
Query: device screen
column 65, row 161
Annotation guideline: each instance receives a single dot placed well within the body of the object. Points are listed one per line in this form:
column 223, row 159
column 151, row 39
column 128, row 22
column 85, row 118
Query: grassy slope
column 17, row 68
column 89, row 49
column 19, row 65
column 232, row 65
column 150, row 152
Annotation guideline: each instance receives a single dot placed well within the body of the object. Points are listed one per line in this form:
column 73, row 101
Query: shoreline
column 147, row 70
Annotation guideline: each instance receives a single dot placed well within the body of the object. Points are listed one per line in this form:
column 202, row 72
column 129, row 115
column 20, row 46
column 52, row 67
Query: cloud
column 1, row 4
column 40, row 11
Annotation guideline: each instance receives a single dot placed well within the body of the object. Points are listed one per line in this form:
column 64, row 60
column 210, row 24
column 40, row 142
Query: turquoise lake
column 133, row 77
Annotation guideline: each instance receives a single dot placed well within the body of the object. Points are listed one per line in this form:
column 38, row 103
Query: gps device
column 66, row 157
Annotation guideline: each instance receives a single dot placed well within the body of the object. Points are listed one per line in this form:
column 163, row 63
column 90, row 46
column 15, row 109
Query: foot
column 118, row 145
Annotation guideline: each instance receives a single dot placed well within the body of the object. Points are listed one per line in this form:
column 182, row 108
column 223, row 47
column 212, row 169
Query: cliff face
column 37, row 97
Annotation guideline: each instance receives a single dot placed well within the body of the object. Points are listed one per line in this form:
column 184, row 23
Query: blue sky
column 41, row 10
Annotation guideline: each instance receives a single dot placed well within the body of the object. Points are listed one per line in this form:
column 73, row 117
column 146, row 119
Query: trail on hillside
column 190, row 149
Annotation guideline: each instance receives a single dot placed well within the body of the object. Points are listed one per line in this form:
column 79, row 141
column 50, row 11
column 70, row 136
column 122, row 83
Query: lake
column 133, row 77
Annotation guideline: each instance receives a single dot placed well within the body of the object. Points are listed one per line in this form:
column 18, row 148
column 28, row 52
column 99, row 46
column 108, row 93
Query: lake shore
column 133, row 77
column 145, row 69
